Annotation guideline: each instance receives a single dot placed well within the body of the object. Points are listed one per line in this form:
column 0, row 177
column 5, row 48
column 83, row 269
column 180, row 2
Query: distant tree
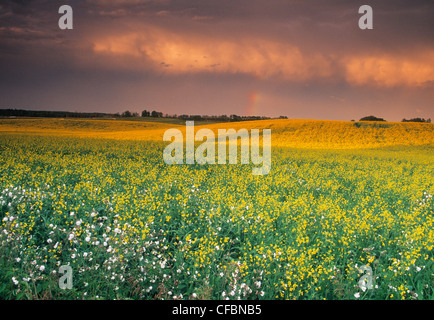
column 135, row 114
column 371, row 118
column 417, row 120
column 126, row 114
column 146, row 113
column 156, row 114
column 283, row 117
column 196, row 117
column 234, row 117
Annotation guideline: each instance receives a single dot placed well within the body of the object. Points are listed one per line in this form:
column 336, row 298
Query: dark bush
column 371, row 118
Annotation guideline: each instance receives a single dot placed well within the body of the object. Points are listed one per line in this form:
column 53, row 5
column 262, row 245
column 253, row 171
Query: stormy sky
column 305, row 59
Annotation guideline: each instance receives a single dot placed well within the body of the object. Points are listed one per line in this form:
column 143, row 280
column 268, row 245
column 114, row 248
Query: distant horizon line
column 28, row 113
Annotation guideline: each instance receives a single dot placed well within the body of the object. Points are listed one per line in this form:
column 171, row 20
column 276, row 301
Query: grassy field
column 97, row 195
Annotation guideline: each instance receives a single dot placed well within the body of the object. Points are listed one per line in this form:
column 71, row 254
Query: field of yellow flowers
column 96, row 195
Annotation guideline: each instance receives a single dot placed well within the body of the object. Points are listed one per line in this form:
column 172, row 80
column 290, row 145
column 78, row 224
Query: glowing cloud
column 174, row 53
column 389, row 71
column 177, row 54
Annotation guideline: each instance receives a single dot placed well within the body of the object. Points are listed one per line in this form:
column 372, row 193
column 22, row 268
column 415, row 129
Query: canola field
column 97, row 196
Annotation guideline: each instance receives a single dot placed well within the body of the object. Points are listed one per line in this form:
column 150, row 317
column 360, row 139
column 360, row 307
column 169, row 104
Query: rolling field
column 96, row 195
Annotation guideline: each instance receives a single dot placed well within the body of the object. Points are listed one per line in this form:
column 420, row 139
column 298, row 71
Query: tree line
column 156, row 114
column 219, row 118
column 52, row 114
column 373, row 118
column 126, row 114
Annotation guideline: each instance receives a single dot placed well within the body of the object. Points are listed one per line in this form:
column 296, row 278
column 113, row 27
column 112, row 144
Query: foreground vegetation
column 132, row 227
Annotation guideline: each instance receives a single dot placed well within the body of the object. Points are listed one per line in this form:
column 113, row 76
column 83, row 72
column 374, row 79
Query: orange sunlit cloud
column 195, row 54
column 389, row 71
column 180, row 53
